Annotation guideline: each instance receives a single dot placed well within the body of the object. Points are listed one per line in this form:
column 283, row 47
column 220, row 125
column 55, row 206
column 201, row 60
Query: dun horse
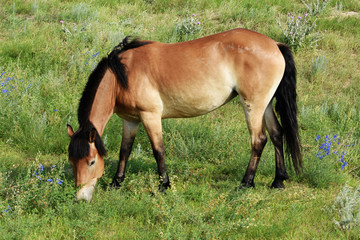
column 146, row 81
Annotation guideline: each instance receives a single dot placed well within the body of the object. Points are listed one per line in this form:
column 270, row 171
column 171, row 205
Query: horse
column 147, row 81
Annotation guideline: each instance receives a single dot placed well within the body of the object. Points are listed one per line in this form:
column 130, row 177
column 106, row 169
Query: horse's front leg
column 128, row 137
column 152, row 124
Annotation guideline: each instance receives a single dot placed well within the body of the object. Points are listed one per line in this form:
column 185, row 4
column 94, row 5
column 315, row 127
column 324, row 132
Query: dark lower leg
column 275, row 132
column 163, row 176
column 125, row 150
column 280, row 173
column 128, row 137
column 257, row 148
column 248, row 180
column 153, row 127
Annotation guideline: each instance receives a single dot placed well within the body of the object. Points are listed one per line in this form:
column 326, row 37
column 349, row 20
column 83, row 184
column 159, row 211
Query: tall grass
column 47, row 51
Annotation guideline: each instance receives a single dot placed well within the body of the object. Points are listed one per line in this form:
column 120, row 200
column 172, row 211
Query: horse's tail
column 287, row 108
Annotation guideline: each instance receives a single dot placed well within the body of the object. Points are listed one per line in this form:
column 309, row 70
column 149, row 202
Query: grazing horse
column 146, row 81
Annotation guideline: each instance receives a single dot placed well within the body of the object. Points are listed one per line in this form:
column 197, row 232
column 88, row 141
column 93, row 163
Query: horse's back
column 192, row 78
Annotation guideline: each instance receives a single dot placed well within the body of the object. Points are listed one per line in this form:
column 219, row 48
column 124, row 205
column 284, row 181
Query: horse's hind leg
column 254, row 119
column 128, row 137
column 152, row 124
column 275, row 132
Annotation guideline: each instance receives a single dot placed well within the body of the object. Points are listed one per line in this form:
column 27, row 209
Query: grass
column 47, row 51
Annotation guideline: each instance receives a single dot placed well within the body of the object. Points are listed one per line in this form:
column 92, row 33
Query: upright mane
column 79, row 146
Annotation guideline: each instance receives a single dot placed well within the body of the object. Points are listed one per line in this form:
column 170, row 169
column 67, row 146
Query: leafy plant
column 347, row 208
column 318, row 65
column 339, row 6
column 187, row 28
column 316, row 8
column 299, row 31
column 333, row 147
column 40, row 188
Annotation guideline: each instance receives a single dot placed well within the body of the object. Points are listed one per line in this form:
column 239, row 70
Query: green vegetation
column 49, row 48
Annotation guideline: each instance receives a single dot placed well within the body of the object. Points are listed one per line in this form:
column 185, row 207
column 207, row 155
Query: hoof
column 245, row 185
column 277, row 184
column 115, row 184
column 163, row 186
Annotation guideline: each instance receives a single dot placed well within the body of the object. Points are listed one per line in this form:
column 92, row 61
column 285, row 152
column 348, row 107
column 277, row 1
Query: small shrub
column 339, row 6
column 318, row 65
column 299, row 31
column 187, row 28
column 70, row 29
column 347, row 208
column 333, row 147
column 300, row 28
column 315, row 8
column 332, row 159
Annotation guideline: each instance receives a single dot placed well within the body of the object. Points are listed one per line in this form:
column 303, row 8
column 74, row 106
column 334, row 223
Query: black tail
column 287, row 108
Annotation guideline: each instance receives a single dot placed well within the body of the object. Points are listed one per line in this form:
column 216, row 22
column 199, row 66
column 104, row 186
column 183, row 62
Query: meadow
column 49, row 48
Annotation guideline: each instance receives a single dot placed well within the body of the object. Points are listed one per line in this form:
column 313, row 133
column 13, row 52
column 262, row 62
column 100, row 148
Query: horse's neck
column 104, row 102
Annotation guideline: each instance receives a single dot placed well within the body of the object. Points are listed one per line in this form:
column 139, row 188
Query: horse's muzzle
column 86, row 192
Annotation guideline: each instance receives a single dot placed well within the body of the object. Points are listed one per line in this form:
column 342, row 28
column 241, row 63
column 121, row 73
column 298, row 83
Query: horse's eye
column 92, row 162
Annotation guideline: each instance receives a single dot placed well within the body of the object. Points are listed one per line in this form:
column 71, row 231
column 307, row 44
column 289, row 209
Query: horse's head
column 86, row 152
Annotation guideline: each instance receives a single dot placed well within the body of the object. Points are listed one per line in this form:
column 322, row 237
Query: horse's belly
column 195, row 103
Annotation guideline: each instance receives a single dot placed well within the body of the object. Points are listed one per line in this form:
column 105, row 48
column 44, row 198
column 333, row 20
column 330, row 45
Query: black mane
column 113, row 62
column 79, row 146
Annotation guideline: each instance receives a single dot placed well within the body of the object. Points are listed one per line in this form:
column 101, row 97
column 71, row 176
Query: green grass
column 45, row 64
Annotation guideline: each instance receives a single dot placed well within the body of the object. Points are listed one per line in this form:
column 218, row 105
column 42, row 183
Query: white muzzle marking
column 86, row 192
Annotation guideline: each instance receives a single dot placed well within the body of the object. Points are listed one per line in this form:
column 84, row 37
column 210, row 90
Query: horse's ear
column 70, row 131
column 92, row 135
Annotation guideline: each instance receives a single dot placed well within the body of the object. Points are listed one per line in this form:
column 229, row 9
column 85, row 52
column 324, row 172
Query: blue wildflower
column 60, row 182
column 8, row 209
column 50, row 180
column 344, row 165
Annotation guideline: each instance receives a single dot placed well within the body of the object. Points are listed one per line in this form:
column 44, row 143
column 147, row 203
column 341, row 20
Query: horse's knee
column 259, row 143
column 276, row 136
